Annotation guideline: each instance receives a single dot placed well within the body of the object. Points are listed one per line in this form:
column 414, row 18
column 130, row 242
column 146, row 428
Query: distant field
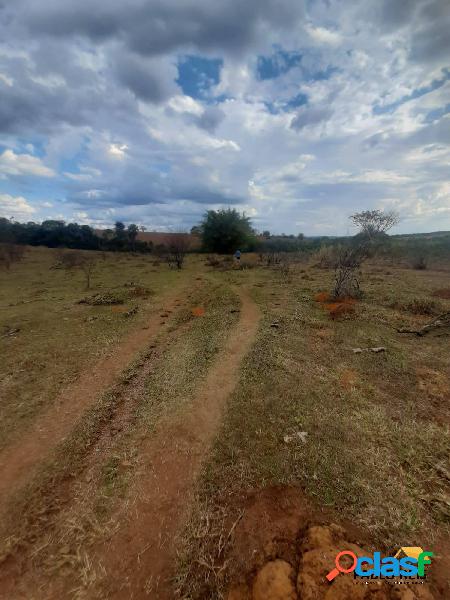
column 360, row 439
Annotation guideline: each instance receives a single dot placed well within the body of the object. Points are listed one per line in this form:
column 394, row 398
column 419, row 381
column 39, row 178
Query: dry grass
column 78, row 499
column 56, row 336
column 377, row 425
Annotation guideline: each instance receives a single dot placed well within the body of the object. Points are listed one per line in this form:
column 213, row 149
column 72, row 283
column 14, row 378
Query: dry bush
column 326, row 257
column 419, row 262
column 212, row 261
column 9, row 254
column 220, row 263
column 84, row 261
column 347, row 273
column 178, row 246
column 419, row 306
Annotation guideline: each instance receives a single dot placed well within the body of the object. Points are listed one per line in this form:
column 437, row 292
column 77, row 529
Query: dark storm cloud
column 161, row 26
column 149, row 80
column 431, row 42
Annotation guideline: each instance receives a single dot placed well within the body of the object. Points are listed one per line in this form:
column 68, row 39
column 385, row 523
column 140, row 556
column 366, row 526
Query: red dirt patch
column 348, row 379
column 322, row 297
column 335, row 308
column 283, row 549
column 443, row 293
column 198, row 311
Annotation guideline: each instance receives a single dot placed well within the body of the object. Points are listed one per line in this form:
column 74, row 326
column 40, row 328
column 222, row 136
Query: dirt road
column 139, row 558
column 18, row 461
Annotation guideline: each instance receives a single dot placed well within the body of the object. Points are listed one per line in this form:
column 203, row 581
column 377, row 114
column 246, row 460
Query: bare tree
column 83, row 261
column 373, row 225
column 178, row 245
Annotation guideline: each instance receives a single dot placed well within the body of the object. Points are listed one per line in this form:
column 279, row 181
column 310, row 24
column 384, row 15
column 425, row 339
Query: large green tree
column 226, row 231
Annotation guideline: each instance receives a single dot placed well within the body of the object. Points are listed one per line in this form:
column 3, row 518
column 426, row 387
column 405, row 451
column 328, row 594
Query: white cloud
column 321, row 35
column 15, row 206
column 12, row 164
column 117, row 150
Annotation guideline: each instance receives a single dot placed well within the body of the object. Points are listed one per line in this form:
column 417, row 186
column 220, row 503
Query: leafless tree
column 373, row 225
column 178, row 245
column 83, row 261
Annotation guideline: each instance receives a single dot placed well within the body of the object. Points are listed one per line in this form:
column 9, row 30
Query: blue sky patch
column 196, row 74
column 270, row 67
column 417, row 93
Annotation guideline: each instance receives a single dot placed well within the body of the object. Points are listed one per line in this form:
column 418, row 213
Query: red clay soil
column 283, row 549
column 138, row 560
column 17, row 461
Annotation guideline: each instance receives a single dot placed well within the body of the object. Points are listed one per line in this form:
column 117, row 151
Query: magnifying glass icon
column 339, row 568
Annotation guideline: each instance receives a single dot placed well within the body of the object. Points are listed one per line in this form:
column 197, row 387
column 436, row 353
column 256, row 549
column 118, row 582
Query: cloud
column 310, row 116
column 156, row 110
column 15, row 206
column 12, row 164
column 151, row 80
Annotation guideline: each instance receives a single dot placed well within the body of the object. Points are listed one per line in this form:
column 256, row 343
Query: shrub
column 326, row 257
column 420, row 262
column 419, row 306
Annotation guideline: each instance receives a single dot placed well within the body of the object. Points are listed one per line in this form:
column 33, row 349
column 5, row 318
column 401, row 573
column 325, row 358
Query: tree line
column 58, row 234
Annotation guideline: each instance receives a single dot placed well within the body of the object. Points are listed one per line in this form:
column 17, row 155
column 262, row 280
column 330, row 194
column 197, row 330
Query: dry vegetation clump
column 219, row 263
column 419, row 306
column 104, row 299
column 326, row 257
column 138, row 291
column 9, row 254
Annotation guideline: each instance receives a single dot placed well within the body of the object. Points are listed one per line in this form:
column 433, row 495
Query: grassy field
column 58, row 337
column 375, row 425
column 364, row 435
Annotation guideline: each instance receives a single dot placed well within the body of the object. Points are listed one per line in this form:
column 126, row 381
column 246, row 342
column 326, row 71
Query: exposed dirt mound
column 336, row 308
column 283, row 550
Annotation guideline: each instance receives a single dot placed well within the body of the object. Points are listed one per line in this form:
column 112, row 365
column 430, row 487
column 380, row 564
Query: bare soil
column 138, row 560
column 17, row 461
column 283, row 547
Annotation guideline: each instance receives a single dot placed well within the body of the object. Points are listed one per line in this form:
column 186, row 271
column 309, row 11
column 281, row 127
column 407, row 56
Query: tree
column 373, row 225
column 226, row 230
column 178, row 246
column 85, row 262
column 132, row 232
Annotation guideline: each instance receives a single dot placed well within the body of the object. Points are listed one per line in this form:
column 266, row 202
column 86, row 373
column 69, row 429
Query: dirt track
column 139, row 558
column 17, row 461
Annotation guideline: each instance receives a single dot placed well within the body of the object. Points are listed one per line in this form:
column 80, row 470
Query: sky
column 296, row 112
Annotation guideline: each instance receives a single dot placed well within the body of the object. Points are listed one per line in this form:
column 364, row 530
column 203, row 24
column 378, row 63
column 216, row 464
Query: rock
column 299, row 435
column 274, row 582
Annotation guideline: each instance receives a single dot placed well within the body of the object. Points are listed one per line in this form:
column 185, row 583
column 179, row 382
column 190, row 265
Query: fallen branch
column 440, row 321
